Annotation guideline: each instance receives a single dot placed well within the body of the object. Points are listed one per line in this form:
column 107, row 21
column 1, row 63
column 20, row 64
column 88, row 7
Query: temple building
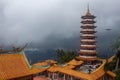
column 15, row 66
column 87, row 50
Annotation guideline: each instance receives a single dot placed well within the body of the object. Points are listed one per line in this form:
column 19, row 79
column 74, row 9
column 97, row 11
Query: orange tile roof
column 75, row 62
column 51, row 61
column 44, row 63
column 53, row 68
column 111, row 74
column 111, row 58
column 68, row 66
column 70, row 72
column 97, row 74
column 40, row 64
column 15, row 65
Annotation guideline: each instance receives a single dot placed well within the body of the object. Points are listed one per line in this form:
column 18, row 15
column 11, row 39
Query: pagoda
column 87, row 50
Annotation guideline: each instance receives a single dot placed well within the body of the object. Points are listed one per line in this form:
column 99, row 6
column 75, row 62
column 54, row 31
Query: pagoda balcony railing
column 87, row 30
column 87, row 19
column 87, row 50
column 88, row 56
column 89, row 46
column 88, row 40
column 88, row 35
column 87, row 25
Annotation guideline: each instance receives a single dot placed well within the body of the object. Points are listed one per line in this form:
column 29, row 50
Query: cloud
column 54, row 23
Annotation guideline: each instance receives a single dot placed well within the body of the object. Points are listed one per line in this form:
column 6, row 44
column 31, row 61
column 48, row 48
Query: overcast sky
column 48, row 24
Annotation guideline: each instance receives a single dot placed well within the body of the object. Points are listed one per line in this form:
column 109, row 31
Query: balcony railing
column 88, row 45
column 88, row 56
column 87, row 25
column 90, row 51
column 88, row 40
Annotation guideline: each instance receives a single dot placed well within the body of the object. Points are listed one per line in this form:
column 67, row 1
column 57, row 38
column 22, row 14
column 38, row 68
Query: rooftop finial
column 88, row 11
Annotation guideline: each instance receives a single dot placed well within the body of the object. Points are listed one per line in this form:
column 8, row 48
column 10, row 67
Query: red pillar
column 32, row 77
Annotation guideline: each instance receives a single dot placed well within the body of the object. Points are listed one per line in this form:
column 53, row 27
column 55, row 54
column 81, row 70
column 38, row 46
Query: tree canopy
column 65, row 56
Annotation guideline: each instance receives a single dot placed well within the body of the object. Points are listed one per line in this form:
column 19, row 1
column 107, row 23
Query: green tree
column 118, row 75
column 65, row 56
column 116, row 48
column 106, row 66
column 116, row 45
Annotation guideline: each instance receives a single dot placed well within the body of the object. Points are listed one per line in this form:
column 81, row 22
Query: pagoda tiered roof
column 88, row 26
column 86, row 53
column 88, row 17
column 86, row 31
column 88, row 22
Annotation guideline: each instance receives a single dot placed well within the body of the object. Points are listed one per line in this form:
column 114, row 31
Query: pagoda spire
column 88, row 11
